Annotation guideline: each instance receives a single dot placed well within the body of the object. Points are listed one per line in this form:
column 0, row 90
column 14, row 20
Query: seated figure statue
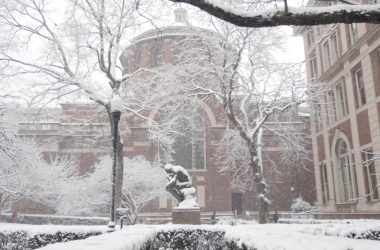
column 180, row 186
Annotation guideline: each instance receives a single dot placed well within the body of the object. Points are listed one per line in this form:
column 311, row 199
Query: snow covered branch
column 296, row 16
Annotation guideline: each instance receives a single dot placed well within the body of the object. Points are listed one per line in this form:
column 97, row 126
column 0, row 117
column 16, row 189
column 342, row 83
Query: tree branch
column 297, row 16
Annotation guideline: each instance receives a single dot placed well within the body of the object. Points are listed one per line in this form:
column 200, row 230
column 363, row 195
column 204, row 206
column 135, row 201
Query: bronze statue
column 180, row 186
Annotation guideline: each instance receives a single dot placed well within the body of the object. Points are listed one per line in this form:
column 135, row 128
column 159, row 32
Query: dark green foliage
column 192, row 239
column 21, row 240
column 189, row 239
column 369, row 235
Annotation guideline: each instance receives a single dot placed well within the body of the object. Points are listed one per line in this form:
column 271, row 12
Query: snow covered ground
column 329, row 236
column 49, row 229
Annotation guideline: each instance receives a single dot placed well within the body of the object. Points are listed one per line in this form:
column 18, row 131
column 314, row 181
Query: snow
column 116, row 103
column 294, row 10
column 190, row 200
column 49, row 229
column 268, row 236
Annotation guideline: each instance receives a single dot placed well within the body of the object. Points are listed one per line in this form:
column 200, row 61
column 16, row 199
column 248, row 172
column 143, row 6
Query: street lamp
column 116, row 106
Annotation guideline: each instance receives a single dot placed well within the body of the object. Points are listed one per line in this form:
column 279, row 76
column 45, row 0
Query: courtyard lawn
column 329, row 235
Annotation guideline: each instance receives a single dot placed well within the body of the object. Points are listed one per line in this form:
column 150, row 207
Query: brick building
column 69, row 133
column 343, row 63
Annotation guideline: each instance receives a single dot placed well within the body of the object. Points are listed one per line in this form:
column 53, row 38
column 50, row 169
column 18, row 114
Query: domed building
column 160, row 50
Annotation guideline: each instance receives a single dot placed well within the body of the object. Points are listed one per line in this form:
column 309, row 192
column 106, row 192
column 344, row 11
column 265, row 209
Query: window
column 332, row 105
column 310, row 37
column 360, row 90
column 324, row 183
column 188, row 146
column 334, row 42
column 318, row 116
column 188, row 149
column 370, row 180
column 326, row 48
column 344, row 166
column 342, row 101
column 313, row 67
column 354, row 32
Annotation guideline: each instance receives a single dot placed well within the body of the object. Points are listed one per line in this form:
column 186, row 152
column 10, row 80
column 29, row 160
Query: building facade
column 343, row 70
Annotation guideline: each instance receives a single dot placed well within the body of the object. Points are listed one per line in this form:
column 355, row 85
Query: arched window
column 344, row 166
column 187, row 149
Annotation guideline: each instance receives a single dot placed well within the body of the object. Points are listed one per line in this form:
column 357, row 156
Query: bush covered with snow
column 22, row 240
column 191, row 239
column 368, row 235
column 299, row 206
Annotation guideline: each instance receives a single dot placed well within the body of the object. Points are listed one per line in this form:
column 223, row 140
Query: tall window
column 324, row 182
column 354, row 32
column 313, row 66
column 188, row 146
column 335, row 47
column 370, row 178
column 326, row 48
column 342, row 102
column 332, row 105
column 360, row 89
column 344, row 166
column 310, row 37
column 318, row 116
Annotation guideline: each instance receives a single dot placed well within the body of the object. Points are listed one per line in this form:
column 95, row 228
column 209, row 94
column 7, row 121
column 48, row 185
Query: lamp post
column 116, row 106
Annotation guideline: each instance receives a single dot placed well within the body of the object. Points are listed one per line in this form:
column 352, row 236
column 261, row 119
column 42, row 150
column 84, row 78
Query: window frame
column 345, row 171
column 324, row 182
column 354, row 32
column 332, row 106
column 341, row 91
column 327, row 54
column 195, row 136
column 334, row 41
column 360, row 87
column 313, row 66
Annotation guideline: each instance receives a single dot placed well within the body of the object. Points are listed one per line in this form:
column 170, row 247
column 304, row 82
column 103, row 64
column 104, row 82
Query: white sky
column 294, row 51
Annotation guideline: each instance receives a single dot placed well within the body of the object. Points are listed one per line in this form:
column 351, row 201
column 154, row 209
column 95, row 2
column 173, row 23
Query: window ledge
column 346, row 203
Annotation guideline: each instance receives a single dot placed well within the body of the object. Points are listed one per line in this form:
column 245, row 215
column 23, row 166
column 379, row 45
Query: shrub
column 191, row 239
column 21, row 240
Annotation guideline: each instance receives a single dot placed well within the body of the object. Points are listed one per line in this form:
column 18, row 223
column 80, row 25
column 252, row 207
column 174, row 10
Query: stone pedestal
column 190, row 216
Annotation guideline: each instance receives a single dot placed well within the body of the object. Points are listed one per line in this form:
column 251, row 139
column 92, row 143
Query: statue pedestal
column 190, row 216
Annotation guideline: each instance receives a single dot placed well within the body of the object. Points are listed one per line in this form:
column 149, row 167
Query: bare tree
column 275, row 13
column 90, row 194
column 234, row 66
column 24, row 174
column 72, row 49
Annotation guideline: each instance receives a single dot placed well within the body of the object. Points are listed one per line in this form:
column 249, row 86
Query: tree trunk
column 263, row 201
column 257, row 161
